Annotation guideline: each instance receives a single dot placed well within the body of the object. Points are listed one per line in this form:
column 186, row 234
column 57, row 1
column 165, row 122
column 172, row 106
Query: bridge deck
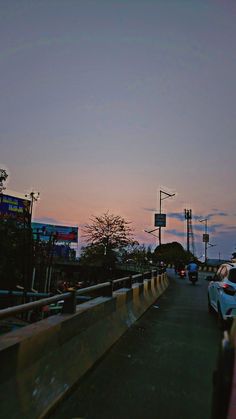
column 160, row 369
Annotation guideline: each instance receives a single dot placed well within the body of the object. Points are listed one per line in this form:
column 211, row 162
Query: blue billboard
column 14, row 208
column 64, row 234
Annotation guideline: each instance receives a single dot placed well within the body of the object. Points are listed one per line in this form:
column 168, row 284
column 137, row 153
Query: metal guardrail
column 25, row 293
column 70, row 298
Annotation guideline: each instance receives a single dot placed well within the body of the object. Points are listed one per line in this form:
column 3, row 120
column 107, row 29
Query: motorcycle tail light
column 228, row 289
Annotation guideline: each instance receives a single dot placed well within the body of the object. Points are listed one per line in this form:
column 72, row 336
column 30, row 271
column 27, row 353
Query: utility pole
column 188, row 217
column 161, row 218
column 205, row 237
column 34, row 196
column 29, row 244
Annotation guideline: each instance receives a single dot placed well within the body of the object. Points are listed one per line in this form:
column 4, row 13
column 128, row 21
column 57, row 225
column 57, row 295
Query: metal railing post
column 129, row 282
column 141, row 279
column 108, row 290
column 69, row 306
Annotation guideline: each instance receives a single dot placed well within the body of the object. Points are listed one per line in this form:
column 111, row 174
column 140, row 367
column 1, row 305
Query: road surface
column 160, row 369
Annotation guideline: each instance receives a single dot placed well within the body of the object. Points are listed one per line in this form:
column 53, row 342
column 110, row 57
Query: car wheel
column 210, row 308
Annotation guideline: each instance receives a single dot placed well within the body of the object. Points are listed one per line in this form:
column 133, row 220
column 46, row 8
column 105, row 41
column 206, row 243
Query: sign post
column 161, row 218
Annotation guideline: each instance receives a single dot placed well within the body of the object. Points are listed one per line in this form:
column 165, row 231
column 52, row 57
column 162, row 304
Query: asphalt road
column 160, row 369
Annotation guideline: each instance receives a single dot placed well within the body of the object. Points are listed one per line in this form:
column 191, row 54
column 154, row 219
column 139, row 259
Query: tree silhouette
column 105, row 235
column 111, row 231
column 3, row 178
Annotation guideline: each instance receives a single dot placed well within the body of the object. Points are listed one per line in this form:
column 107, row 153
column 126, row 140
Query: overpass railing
column 73, row 297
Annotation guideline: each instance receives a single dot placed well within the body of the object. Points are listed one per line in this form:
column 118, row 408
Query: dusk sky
column 105, row 102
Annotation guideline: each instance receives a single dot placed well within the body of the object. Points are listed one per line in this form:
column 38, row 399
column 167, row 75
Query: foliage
column 3, row 178
column 137, row 254
column 15, row 254
column 108, row 230
column 106, row 236
column 92, row 255
column 171, row 253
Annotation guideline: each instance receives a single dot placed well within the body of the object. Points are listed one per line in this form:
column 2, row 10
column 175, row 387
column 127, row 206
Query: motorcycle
column 193, row 277
column 182, row 273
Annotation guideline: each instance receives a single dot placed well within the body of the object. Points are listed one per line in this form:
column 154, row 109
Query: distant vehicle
column 161, row 267
column 222, row 293
column 182, row 273
column 193, row 277
column 192, row 269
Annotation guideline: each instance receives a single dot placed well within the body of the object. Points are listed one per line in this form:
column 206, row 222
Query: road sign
column 205, row 238
column 160, row 220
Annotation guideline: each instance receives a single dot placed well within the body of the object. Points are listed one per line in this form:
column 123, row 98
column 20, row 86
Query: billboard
column 64, row 234
column 14, row 208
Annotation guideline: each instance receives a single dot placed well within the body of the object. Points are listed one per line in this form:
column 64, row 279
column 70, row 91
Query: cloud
column 198, row 227
column 176, row 215
column 220, row 213
column 181, row 217
column 216, row 227
column 216, row 213
column 176, row 233
column 149, row 209
column 49, row 220
column 230, row 228
column 213, row 228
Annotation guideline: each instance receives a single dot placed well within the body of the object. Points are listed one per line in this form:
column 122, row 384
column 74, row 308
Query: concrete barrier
column 41, row 362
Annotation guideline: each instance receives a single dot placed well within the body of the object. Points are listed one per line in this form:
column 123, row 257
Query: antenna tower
column 190, row 236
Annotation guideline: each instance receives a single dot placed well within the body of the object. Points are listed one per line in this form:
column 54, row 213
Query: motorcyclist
column 192, row 268
column 179, row 266
column 162, row 267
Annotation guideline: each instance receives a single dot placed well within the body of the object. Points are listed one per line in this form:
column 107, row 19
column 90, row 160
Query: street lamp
column 151, row 232
column 160, row 219
column 34, row 196
column 205, row 236
column 166, row 196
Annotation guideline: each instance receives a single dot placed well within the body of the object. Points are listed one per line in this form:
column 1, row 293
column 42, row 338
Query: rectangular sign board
column 160, row 220
column 59, row 233
column 205, row 238
column 14, row 208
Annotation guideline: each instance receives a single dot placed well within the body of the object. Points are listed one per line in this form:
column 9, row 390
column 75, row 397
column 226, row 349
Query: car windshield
column 232, row 275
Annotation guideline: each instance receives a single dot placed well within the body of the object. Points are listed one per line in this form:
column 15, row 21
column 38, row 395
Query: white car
column 222, row 293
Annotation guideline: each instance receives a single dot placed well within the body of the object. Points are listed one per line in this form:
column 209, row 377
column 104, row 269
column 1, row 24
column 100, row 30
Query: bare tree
column 111, row 231
column 3, row 178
